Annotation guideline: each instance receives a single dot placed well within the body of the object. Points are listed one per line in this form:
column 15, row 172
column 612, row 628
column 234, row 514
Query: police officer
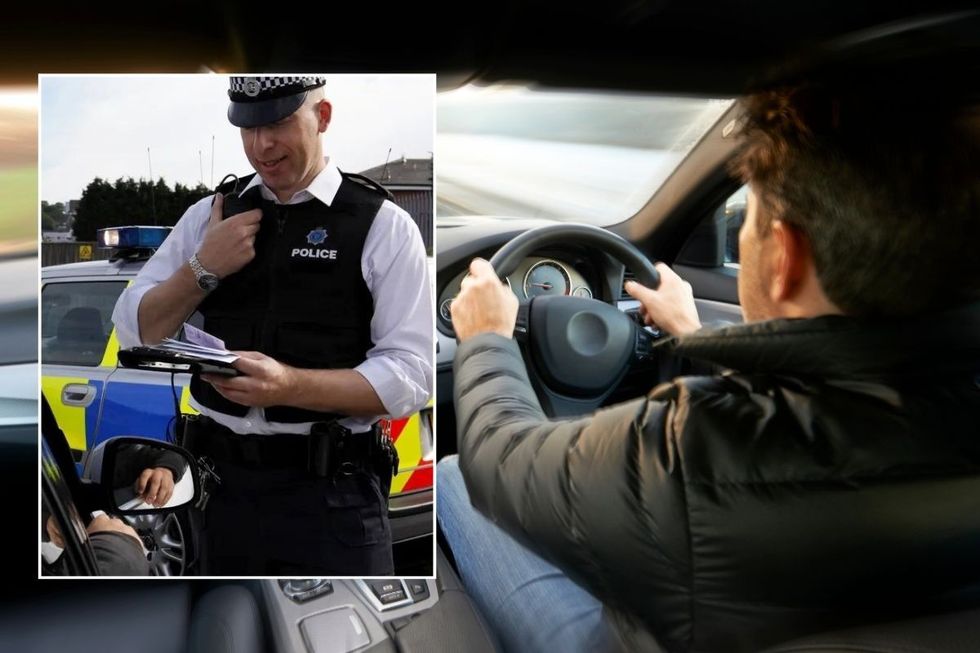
column 320, row 283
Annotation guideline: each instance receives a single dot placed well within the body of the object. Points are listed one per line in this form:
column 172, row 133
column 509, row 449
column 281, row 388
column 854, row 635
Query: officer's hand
column 669, row 307
column 264, row 381
column 155, row 486
column 228, row 244
column 103, row 523
column 483, row 304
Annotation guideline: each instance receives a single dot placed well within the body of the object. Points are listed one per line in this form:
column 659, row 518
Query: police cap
column 262, row 100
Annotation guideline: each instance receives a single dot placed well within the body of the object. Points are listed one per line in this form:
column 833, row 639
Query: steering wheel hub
column 587, row 334
column 579, row 346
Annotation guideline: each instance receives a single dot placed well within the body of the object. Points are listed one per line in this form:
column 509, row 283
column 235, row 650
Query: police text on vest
column 306, row 252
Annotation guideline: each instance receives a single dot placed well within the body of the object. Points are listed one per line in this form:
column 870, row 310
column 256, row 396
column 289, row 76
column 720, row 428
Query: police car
column 95, row 399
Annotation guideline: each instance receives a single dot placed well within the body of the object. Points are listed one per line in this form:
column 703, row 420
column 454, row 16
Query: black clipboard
column 162, row 360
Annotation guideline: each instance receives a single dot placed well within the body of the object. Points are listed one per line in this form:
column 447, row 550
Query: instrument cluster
column 534, row 277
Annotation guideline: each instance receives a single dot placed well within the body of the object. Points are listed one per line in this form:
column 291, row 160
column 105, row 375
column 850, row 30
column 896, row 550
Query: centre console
column 389, row 615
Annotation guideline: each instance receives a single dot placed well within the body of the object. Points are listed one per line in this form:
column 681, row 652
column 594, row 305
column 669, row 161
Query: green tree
column 52, row 215
column 131, row 202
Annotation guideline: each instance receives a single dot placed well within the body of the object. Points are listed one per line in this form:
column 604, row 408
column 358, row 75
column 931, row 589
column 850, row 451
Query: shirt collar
column 324, row 186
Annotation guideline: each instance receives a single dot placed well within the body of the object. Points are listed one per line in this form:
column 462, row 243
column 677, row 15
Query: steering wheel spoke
column 521, row 324
column 646, row 340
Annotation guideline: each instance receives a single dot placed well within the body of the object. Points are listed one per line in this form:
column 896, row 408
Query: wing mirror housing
column 139, row 476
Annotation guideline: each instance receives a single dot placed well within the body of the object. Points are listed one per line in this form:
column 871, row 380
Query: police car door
column 76, row 359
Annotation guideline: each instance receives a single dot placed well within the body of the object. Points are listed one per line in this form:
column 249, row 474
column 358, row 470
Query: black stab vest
column 302, row 300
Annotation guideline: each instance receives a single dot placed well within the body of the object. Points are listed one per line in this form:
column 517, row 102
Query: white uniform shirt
column 394, row 267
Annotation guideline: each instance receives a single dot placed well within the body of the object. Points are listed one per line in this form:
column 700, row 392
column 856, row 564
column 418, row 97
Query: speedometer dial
column 547, row 278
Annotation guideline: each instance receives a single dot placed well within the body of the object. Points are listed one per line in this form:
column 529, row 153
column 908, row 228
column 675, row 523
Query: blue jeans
column 529, row 603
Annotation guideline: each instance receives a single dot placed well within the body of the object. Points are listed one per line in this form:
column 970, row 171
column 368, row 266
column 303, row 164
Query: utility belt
column 330, row 449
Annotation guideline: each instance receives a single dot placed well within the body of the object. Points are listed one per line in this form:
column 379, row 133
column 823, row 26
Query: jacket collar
column 835, row 346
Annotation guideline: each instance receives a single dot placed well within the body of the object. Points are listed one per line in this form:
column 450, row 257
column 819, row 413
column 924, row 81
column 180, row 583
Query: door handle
column 77, row 394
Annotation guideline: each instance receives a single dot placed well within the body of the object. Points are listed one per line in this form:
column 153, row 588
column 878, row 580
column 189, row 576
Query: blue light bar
column 132, row 237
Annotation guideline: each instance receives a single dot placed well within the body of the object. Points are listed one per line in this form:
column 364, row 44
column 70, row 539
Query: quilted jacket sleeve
column 601, row 496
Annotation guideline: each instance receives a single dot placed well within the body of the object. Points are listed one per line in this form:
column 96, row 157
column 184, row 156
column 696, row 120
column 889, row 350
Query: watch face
column 208, row 282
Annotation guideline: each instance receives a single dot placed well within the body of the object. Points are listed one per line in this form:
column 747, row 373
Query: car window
column 732, row 213
column 76, row 321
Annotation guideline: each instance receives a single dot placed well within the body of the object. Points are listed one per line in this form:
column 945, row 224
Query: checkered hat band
column 260, row 88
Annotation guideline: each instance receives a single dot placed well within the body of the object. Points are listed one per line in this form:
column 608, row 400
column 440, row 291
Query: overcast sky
column 101, row 126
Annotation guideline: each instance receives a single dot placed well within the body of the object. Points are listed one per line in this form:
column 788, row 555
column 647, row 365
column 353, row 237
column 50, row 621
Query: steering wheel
column 577, row 349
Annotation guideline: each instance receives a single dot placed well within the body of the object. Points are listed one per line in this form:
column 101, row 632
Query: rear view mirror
column 140, row 475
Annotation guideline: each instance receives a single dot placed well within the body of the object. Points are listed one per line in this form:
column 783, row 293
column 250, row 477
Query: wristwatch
column 206, row 281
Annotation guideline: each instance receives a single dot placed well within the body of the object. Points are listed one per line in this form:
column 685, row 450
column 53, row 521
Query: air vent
column 627, row 276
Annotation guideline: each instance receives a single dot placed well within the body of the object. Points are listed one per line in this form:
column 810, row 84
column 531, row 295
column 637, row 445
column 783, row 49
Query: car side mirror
column 138, row 476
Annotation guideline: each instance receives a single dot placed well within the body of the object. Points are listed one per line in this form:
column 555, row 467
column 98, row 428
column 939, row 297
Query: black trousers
column 288, row 522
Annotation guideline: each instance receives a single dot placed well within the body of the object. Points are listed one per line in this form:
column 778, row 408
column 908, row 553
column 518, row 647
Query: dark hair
column 886, row 190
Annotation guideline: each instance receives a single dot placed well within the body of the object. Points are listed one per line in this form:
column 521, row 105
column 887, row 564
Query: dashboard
column 566, row 268
column 563, row 268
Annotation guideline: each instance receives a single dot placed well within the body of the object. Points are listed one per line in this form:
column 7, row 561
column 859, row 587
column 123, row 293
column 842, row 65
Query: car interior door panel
column 718, row 284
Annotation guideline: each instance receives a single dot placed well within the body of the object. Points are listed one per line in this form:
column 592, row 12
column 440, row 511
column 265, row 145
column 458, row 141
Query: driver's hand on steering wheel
column 484, row 304
column 671, row 306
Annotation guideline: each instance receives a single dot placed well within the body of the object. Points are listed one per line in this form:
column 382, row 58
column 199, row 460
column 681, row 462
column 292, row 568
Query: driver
column 829, row 476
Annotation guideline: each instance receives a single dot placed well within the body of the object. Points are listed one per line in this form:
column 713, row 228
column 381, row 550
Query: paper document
column 196, row 351
column 200, row 345
column 199, row 337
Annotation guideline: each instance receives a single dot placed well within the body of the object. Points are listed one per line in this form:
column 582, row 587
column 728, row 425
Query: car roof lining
column 697, row 47
column 937, row 41
column 682, row 47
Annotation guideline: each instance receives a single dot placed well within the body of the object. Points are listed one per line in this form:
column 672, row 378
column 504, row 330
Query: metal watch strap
column 196, row 267
column 206, row 281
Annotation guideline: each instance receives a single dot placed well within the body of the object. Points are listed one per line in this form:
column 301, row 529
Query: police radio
column 235, row 201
